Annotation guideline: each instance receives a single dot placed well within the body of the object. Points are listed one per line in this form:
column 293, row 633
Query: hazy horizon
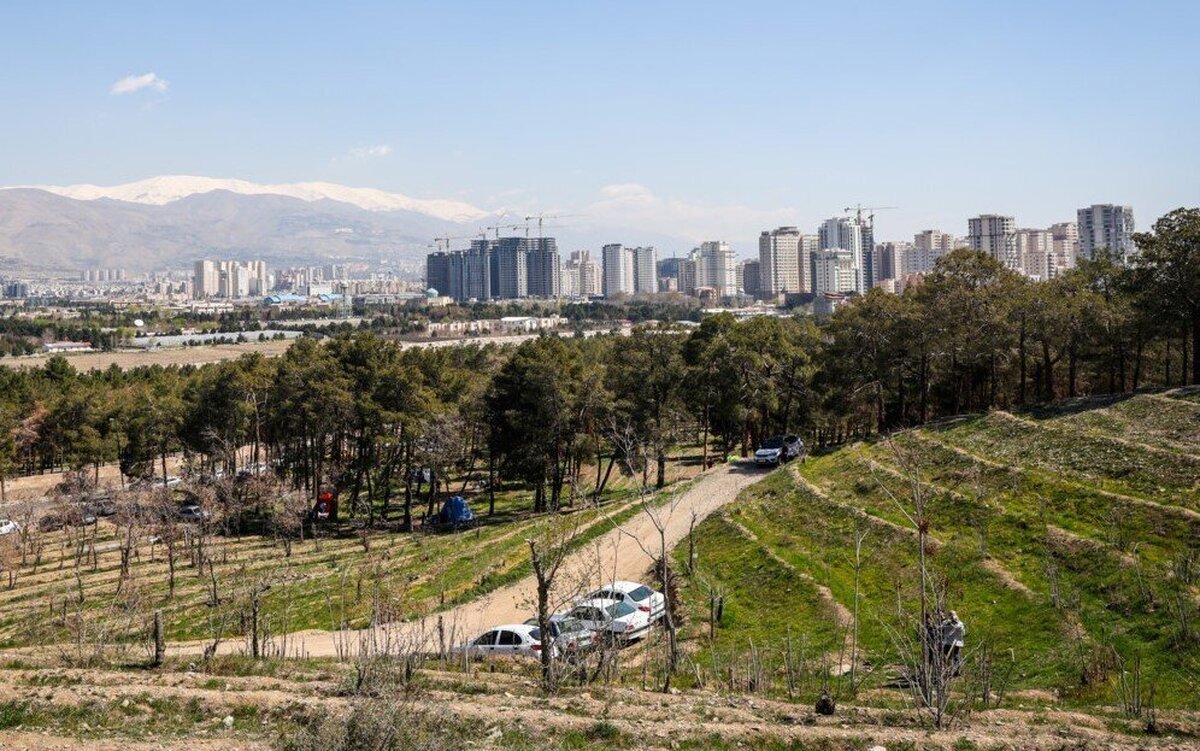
column 694, row 121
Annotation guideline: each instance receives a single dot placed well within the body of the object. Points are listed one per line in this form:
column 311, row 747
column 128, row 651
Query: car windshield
column 641, row 593
column 569, row 625
column 773, row 443
column 619, row 609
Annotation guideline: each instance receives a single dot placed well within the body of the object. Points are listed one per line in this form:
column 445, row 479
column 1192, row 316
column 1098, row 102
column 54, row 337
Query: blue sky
column 696, row 119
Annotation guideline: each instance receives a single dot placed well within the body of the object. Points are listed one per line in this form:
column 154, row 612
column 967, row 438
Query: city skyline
column 1020, row 134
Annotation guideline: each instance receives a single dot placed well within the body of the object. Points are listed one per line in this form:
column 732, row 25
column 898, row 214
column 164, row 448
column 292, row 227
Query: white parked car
column 569, row 635
column 614, row 618
column 779, row 450
column 512, row 639
column 8, row 527
column 638, row 595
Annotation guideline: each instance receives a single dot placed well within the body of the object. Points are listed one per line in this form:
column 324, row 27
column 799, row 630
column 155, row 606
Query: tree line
column 386, row 427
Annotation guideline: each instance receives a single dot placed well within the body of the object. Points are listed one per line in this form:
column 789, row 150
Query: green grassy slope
column 1067, row 539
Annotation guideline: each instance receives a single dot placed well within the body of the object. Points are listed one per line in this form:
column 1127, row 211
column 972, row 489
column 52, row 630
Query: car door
column 484, row 644
column 507, row 642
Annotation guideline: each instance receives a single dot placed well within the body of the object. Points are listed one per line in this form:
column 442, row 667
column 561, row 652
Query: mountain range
column 168, row 222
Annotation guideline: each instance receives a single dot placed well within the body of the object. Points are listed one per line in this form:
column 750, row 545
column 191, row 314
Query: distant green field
column 1068, row 539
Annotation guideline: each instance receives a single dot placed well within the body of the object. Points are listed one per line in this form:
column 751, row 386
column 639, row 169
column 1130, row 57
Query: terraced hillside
column 1067, row 538
column 72, row 592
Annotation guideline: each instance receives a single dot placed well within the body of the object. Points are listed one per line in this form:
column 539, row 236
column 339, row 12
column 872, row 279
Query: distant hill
column 40, row 229
column 168, row 222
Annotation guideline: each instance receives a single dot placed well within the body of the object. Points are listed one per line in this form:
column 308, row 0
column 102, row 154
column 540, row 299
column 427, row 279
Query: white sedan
column 615, row 618
column 638, row 595
column 512, row 639
column 8, row 527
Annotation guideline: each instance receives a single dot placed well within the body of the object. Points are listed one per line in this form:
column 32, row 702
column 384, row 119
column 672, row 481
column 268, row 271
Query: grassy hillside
column 1067, row 538
column 345, row 577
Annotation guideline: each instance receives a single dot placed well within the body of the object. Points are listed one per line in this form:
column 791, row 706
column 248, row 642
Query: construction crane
column 542, row 218
column 859, row 209
column 499, row 227
column 443, row 243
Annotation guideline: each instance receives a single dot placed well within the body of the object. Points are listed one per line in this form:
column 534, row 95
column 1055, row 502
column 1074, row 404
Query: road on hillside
column 624, row 552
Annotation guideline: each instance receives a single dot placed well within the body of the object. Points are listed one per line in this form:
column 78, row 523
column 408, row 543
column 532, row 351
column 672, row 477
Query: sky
column 700, row 120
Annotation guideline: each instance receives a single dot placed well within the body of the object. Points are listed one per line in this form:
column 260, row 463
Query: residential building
column 835, row 272
column 617, row 265
column 751, row 273
column 997, row 236
column 928, row 246
column 645, row 270
column 205, row 280
column 809, row 244
column 844, row 234
column 1106, row 225
column 779, row 262
column 543, row 267
column 716, row 267
column 689, row 275
column 580, row 275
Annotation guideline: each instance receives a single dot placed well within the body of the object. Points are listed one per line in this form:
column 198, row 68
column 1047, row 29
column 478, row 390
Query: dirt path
column 625, row 552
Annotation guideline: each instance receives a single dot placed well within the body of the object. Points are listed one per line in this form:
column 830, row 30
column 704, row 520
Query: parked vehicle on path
column 778, row 450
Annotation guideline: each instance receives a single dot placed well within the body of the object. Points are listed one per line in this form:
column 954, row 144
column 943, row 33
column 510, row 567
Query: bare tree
column 932, row 670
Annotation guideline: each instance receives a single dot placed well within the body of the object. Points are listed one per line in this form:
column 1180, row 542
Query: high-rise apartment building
column 645, row 270
column 891, row 258
column 616, row 262
column 205, row 280
column 507, row 268
column 543, row 267
column 229, row 279
column 1105, row 225
column 834, row 271
column 716, row 267
column 997, row 236
column 779, row 262
column 845, row 233
column 689, row 274
column 751, row 274
column 581, row 275
column 928, row 246
column 1036, row 249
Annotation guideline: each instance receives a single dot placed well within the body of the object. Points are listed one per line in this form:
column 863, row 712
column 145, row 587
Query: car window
column 773, row 443
column 792, row 439
column 569, row 626
column 641, row 593
column 619, row 609
column 508, row 639
column 535, row 634
column 486, row 640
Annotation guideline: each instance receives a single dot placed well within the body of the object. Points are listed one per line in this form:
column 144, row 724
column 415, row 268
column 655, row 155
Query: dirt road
column 625, row 552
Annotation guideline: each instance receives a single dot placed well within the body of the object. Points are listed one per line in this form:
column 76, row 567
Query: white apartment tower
column 997, row 236
column 1036, row 249
column 206, row 279
column 617, row 264
column 844, row 233
column 834, row 271
column 716, row 267
column 1105, row 225
column 779, row 265
column 645, row 269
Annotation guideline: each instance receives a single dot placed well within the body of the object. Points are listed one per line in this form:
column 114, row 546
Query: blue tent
column 455, row 511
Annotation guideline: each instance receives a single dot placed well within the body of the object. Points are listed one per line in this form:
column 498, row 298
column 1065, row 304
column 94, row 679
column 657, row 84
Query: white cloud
column 369, row 152
column 638, row 206
column 130, row 84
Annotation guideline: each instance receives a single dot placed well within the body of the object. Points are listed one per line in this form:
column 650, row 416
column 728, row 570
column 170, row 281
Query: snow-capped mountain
column 159, row 191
